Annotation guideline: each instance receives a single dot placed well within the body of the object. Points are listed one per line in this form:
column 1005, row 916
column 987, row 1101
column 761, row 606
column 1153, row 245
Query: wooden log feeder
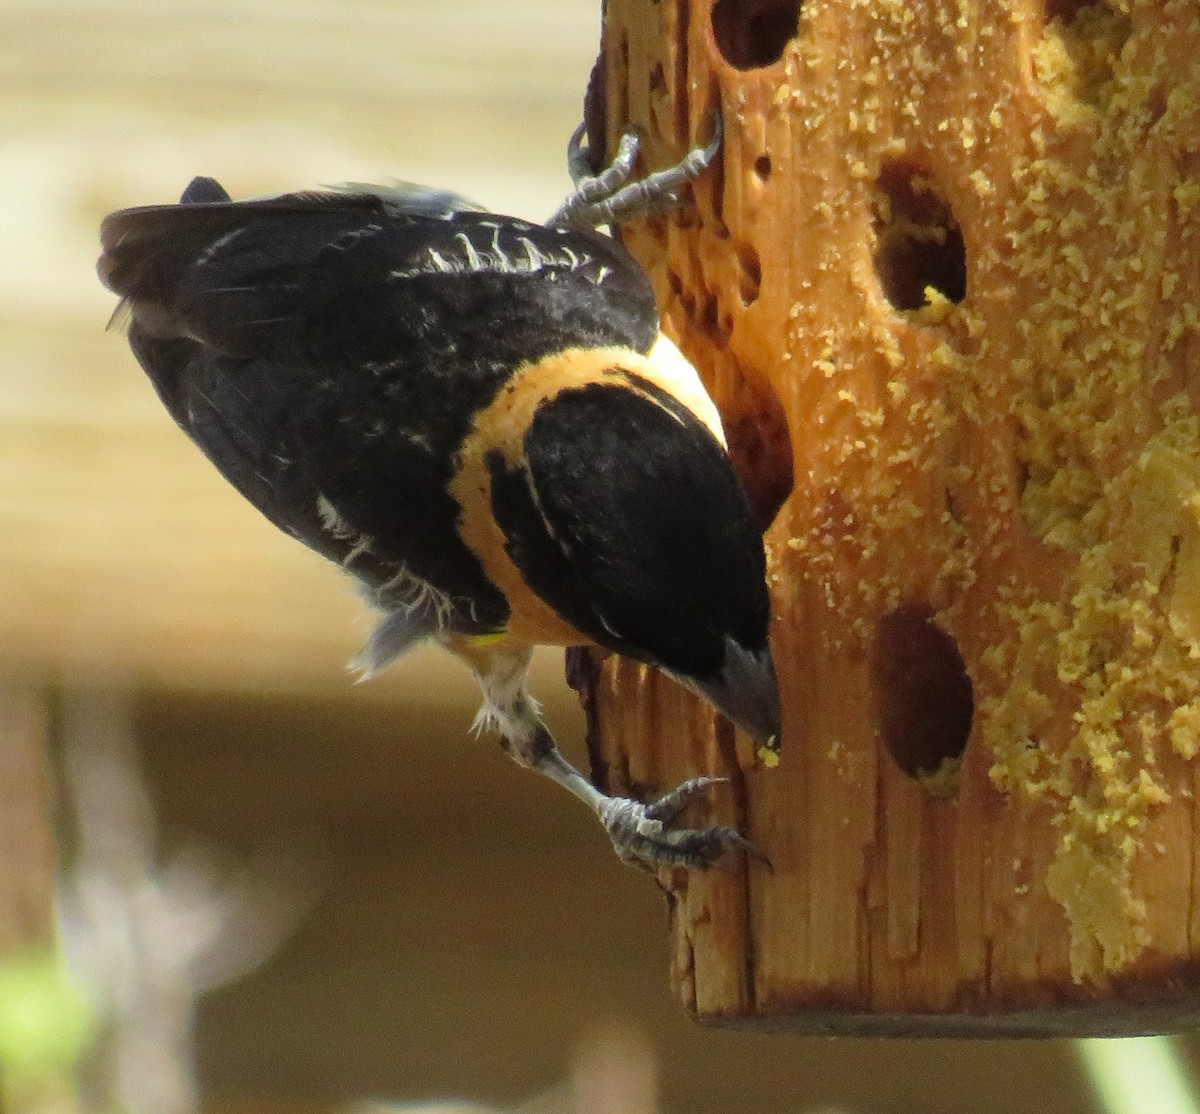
column 944, row 285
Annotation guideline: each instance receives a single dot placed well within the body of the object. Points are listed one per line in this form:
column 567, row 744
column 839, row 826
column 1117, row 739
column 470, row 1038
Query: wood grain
column 122, row 552
column 943, row 288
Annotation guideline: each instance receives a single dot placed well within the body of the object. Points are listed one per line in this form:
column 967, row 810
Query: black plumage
column 336, row 346
column 617, row 481
column 478, row 418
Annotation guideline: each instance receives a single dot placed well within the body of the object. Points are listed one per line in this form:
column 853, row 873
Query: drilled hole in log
column 923, row 699
column 750, row 279
column 1081, row 45
column 762, row 167
column 918, row 244
column 753, row 33
column 1066, row 10
column 685, row 297
column 716, row 325
column 761, row 452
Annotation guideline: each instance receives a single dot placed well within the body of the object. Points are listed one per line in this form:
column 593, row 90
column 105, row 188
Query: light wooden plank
column 121, row 550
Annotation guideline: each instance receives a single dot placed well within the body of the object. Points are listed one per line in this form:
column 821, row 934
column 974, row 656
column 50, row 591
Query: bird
column 481, row 420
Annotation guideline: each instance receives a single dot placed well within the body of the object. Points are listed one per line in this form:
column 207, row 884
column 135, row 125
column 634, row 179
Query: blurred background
column 320, row 894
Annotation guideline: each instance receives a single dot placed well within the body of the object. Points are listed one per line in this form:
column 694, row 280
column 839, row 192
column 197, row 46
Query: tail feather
column 147, row 249
column 204, row 191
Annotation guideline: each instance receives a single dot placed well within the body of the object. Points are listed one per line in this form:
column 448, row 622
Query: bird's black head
column 628, row 519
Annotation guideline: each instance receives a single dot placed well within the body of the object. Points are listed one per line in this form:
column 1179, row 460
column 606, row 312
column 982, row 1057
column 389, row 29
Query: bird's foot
column 611, row 198
column 642, row 835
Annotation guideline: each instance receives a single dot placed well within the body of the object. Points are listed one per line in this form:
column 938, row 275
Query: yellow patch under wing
column 488, row 638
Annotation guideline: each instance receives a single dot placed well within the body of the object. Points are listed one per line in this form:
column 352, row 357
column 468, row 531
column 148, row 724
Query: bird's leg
column 640, row 833
column 610, row 198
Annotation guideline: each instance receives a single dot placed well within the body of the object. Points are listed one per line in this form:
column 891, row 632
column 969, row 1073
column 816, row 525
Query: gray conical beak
column 745, row 691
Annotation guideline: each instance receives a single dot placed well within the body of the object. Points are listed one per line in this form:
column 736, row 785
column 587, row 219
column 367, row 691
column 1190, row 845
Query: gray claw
column 641, row 836
column 665, row 809
column 610, row 198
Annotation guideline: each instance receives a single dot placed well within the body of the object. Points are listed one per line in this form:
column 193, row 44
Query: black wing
column 242, row 276
column 628, row 518
column 328, row 351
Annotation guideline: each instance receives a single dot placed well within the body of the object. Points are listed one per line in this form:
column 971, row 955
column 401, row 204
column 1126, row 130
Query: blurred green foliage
column 45, row 1023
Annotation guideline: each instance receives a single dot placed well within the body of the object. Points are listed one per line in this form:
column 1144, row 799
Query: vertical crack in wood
column 681, row 106
column 726, row 742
